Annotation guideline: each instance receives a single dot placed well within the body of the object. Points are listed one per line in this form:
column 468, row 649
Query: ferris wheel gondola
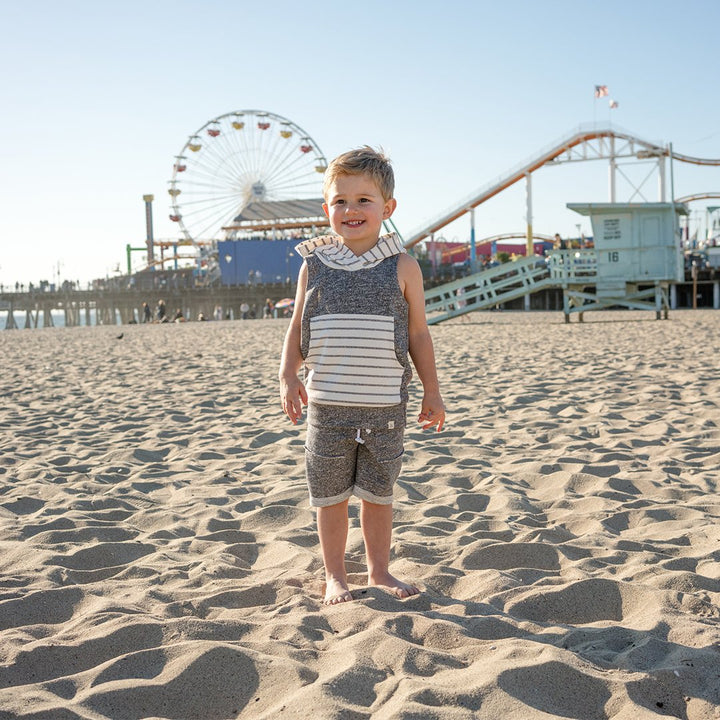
column 236, row 159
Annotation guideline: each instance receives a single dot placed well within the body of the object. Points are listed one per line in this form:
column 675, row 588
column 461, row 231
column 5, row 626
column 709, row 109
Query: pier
column 33, row 309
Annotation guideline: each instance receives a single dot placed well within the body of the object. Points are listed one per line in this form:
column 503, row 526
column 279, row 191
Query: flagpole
column 595, row 112
column 600, row 91
column 672, row 177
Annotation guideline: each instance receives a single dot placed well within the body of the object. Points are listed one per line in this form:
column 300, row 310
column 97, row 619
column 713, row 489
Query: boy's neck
column 359, row 247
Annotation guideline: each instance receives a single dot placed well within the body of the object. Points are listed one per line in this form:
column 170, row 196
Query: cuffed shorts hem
column 328, row 501
column 371, row 497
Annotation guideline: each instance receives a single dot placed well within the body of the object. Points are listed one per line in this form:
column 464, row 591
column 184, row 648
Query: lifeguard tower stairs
column 637, row 255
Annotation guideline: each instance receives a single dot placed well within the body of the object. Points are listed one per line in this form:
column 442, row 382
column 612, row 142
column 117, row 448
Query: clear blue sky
column 99, row 97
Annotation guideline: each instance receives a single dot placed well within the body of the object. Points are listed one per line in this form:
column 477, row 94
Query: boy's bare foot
column 336, row 591
column 397, row 587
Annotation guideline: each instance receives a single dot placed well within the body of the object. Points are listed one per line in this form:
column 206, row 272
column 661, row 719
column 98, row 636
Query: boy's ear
column 389, row 208
column 325, row 209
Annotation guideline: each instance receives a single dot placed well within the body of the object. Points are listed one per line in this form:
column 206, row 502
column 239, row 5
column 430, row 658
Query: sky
column 98, row 98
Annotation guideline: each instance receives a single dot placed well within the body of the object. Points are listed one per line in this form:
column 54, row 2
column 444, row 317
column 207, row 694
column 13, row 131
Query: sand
column 158, row 557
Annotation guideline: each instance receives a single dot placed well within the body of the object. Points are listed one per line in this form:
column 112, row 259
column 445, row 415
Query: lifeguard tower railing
column 509, row 281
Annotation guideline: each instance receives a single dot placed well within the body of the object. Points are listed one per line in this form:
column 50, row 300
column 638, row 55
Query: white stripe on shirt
column 352, row 360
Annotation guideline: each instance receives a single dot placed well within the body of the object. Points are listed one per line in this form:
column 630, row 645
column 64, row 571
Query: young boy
column 359, row 311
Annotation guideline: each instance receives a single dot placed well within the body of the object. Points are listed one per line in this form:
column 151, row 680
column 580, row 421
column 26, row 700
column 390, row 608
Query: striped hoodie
column 354, row 339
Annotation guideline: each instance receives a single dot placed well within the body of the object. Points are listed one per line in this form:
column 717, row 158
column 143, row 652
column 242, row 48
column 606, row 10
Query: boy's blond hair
column 363, row 161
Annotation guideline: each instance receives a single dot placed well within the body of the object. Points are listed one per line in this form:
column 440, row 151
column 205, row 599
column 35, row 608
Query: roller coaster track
column 514, row 236
column 540, row 237
column 698, row 196
column 582, row 136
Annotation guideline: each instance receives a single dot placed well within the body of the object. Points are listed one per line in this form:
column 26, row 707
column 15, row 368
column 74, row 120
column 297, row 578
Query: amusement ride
column 240, row 160
column 237, row 159
column 585, row 143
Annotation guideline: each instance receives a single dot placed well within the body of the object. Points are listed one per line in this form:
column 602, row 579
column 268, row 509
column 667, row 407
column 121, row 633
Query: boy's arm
column 292, row 391
column 421, row 346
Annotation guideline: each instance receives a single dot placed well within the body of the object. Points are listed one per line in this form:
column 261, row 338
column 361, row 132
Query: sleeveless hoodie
column 354, row 337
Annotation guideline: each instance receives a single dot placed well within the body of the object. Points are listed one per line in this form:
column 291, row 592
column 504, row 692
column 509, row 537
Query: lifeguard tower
column 638, row 255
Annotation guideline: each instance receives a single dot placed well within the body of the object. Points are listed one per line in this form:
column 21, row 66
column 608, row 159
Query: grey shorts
column 340, row 462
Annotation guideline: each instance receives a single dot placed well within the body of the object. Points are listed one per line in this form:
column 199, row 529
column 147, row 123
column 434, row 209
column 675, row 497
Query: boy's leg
column 376, row 522
column 332, row 522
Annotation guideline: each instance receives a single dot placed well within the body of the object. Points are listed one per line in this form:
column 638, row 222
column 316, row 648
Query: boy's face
column 356, row 209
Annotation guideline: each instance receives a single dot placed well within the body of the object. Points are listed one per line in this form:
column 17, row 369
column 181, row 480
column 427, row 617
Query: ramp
column 564, row 269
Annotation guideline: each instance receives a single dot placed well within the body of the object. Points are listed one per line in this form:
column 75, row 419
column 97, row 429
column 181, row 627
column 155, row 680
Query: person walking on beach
column 267, row 309
column 359, row 311
column 161, row 312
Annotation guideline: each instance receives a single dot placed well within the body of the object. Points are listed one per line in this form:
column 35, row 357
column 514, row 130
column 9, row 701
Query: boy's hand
column 432, row 412
column 293, row 396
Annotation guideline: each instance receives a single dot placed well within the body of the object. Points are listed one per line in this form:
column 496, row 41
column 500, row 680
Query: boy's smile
column 356, row 210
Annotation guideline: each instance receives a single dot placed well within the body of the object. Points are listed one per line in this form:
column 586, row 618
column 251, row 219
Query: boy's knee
column 376, row 503
column 372, row 500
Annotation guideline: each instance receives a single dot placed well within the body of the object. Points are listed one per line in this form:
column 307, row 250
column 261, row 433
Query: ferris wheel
column 236, row 159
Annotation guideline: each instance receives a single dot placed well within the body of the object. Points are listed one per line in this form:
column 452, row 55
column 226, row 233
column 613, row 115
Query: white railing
column 572, row 266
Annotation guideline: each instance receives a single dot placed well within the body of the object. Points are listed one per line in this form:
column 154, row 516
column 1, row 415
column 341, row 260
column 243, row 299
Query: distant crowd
column 43, row 286
column 161, row 314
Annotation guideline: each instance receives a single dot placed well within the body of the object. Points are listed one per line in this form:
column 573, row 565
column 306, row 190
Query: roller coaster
column 585, row 143
column 531, row 274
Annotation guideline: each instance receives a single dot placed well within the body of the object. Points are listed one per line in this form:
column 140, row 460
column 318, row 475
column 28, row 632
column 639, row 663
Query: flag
column 601, row 91
column 613, row 104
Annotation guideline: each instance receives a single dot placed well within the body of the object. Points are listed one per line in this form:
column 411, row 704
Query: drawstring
column 358, row 439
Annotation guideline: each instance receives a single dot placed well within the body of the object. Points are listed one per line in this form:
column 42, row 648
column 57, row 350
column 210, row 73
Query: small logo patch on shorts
column 391, row 424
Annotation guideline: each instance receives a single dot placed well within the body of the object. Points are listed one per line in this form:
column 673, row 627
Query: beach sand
column 158, row 557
